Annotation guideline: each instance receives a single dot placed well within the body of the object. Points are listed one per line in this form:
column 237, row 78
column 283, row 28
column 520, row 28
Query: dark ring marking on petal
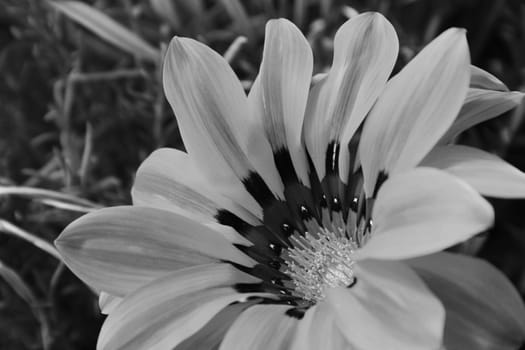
column 354, row 176
column 324, row 201
column 336, row 204
column 332, row 158
column 369, row 206
column 299, row 198
column 276, row 216
column 353, row 146
column 295, row 192
column 266, row 242
column 277, row 282
column 284, row 164
column 331, row 184
column 305, row 212
column 287, row 229
column 263, row 287
column 354, row 204
column 259, row 190
column 296, row 312
column 274, row 264
column 283, row 300
column 315, row 183
column 334, row 190
column 381, row 178
column 249, row 287
column 362, row 205
column 276, row 248
column 267, row 301
column 262, row 271
column 225, row 217
column 353, row 283
column 259, row 254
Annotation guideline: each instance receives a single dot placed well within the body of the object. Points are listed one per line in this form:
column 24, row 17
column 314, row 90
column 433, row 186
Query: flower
column 286, row 225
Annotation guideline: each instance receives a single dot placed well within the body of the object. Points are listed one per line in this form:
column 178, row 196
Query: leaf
column 238, row 14
column 53, row 198
column 16, row 282
column 9, row 228
column 108, row 29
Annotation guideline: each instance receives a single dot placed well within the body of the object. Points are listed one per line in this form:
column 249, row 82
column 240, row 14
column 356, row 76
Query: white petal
column 416, row 108
column 211, row 335
column 279, row 96
column 318, row 330
column 261, row 327
column 484, row 310
column 164, row 313
column 119, row 249
column 389, row 307
column 487, row 173
column 168, row 179
column 213, row 116
column 365, row 51
column 108, row 302
column 481, row 79
column 479, row 106
column 423, row 211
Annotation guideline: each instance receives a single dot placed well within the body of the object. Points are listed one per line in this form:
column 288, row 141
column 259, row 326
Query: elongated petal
column 479, row 106
column 423, row 211
column 365, row 50
column 168, row 179
column 108, row 302
column 280, row 99
column 389, row 307
column 487, row 173
column 481, row 79
column 164, row 313
column 213, row 116
column 318, row 330
column 416, row 108
column 108, row 29
column 261, row 327
column 119, row 249
column 484, row 310
column 211, row 335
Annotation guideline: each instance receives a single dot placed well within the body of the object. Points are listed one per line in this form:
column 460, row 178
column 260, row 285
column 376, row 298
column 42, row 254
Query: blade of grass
column 67, row 206
column 234, row 48
column 16, row 282
column 76, row 77
column 107, row 28
column 86, row 155
column 238, row 15
column 9, row 228
column 39, row 193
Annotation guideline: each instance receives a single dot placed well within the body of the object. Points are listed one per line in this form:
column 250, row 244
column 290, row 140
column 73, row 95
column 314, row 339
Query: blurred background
column 81, row 105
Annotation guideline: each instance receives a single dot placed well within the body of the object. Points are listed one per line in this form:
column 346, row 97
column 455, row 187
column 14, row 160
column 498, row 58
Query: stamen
column 319, row 261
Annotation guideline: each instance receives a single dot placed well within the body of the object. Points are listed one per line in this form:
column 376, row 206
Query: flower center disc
column 319, row 261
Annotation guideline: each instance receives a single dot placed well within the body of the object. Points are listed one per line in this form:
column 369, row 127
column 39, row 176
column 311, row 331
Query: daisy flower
column 290, row 224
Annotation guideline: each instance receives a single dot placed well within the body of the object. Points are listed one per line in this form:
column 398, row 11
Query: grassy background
column 78, row 115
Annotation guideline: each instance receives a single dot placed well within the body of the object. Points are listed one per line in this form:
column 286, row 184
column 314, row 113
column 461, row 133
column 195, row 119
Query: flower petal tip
column 456, row 37
column 372, row 15
column 516, row 96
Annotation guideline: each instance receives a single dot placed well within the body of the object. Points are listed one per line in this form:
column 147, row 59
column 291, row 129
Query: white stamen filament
column 319, row 261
